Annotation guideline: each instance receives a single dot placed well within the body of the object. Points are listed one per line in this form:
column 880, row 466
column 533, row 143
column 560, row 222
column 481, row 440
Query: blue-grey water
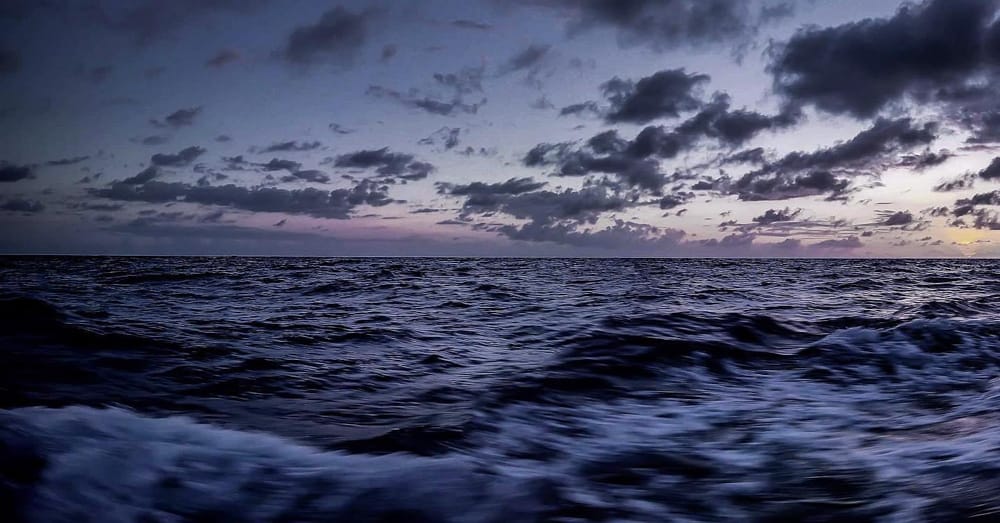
column 473, row 390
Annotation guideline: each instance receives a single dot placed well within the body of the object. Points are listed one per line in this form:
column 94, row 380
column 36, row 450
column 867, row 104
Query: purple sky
column 500, row 127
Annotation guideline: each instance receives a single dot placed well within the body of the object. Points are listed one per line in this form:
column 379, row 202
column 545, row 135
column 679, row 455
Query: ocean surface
column 488, row 390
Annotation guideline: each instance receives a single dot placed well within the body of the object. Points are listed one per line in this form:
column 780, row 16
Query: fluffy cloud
column 13, row 173
column 858, row 68
column 336, row 204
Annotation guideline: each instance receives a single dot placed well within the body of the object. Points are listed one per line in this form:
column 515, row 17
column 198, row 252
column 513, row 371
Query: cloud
column 67, row 161
column 146, row 175
column 542, row 206
column 337, row 204
column 992, row 171
column 860, row 67
column 339, row 129
column 336, row 37
column 385, row 163
column 182, row 158
column 447, row 136
column 580, row 109
column 620, row 234
column 777, row 215
column 179, row 118
column 965, row 181
column 310, row 175
column 663, row 94
column 22, row 205
column 667, row 24
column 511, row 186
column 289, row 146
column 852, row 242
column 471, row 24
column 526, row 58
column 633, row 162
column 802, row 174
column 465, row 82
column 425, row 103
column 223, row 58
column 925, row 160
column 13, row 173
column 891, row 218
column 275, row 164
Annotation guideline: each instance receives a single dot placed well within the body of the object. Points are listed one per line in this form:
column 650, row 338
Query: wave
column 111, row 465
column 621, row 354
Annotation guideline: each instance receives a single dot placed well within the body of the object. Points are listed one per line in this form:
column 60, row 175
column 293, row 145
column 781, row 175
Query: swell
column 624, row 356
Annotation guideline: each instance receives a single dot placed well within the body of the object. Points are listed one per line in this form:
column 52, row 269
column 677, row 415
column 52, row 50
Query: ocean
column 487, row 390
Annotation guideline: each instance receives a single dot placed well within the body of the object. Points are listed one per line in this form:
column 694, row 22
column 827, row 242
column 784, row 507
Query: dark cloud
column 786, row 187
column 67, row 161
column 236, row 163
column 448, row 137
column 511, row 186
column 22, row 205
column 666, row 24
column 13, row 173
column 425, row 103
column 182, row 158
column 336, row 204
column 336, row 37
column 580, row 109
column 777, row 215
column 664, row 94
column 985, row 125
column 803, row 174
column 896, row 218
column 471, row 24
column 734, row 127
column 546, row 207
column 620, row 234
column 925, row 160
column 966, row 181
column 275, row 164
column 992, row 171
column 223, row 138
column 385, row 163
column 526, row 58
column 179, row 118
column 461, row 84
column 675, row 200
column 289, row 146
column 223, row 58
column 468, row 80
column 311, row 175
column 860, row 67
column 146, row 175
column 631, row 161
column 981, row 218
column 339, row 129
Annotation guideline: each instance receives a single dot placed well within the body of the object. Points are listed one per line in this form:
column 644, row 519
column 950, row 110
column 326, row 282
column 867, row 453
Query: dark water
column 147, row 389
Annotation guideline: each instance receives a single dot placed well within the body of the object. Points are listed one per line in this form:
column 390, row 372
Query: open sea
column 498, row 390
